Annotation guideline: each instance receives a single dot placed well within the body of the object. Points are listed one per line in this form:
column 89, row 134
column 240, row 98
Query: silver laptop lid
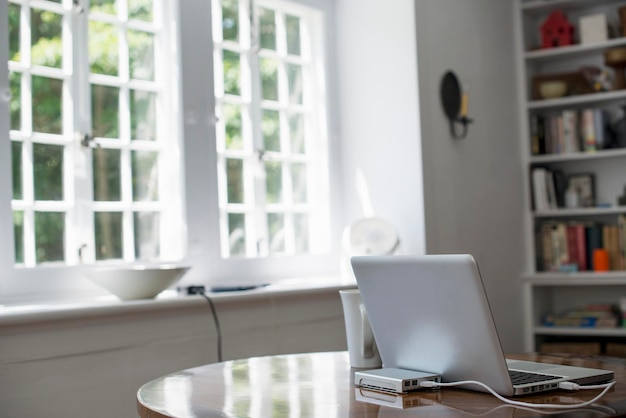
column 430, row 313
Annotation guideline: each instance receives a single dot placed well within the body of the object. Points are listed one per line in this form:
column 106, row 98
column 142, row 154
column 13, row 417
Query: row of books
column 548, row 186
column 597, row 316
column 567, row 132
column 569, row 246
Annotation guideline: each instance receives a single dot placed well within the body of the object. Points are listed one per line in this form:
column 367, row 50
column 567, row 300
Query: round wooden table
column 321, row 385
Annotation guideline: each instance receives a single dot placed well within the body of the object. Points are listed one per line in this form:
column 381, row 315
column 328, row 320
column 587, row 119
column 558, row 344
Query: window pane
column 105, row 111
column 141, row 10
column 296, row 133
column 48, row 171
column 276, row 229
column 143, row 115
column 230, row 20
column 233, row 135
column 103, row 48
column 102, row 6
column 147, row 241
column 47, row 105
column 46, row 45
column 237, row 233
column 270, row 126
column 301, row 230
column 299, row 183
column 292, row 24
column 18, row 233
column 273, row 181
column 267, row 29
column 145, row 176
column 16, row 161
column 108, row 235
column 15, row 80
column 269, row 79
column 49, row 236
column 106, row 175
column 234, row 175
column 14, row 32
column 232, row 72
column 294, row 74
column 141, row 55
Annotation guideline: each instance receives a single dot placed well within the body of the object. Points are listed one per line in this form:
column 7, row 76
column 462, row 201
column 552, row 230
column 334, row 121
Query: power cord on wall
column 562, row 385
column 200, row 290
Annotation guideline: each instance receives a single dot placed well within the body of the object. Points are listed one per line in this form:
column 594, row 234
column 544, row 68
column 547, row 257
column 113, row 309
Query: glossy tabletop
column 321, row 385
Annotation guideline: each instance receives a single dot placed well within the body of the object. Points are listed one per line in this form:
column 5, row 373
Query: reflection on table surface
column 321, row 385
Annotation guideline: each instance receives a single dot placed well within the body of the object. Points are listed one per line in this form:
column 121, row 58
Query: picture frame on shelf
column 584, row 186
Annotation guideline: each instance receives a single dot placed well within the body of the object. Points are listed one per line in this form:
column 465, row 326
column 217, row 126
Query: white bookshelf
column 552, row 292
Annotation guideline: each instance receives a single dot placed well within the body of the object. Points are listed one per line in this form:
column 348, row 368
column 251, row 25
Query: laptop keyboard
column 521, row 378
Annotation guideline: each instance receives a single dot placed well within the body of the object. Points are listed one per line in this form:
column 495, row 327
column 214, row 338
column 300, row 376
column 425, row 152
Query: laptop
column 430, row 313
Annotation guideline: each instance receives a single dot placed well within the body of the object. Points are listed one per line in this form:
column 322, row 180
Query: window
column 271, row 137
column 112, row 161
column 88, row 146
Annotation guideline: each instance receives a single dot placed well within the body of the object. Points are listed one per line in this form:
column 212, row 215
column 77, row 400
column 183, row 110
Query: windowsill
column 46, row 312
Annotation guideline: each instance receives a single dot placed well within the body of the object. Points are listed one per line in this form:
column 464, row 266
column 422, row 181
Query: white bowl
column 136, row 282
column 552, row 89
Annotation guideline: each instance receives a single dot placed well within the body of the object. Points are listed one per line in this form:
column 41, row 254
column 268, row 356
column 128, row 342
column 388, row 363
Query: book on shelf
column 611, row 243
column 621, row 240
column 593, row 240
column 568, row 131
column 596, row 315
column 568, row 246
column 548, row 187
column 588, row 130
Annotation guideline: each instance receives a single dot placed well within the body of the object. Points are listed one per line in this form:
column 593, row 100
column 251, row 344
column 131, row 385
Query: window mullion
column 257, row 163
column 82, row 221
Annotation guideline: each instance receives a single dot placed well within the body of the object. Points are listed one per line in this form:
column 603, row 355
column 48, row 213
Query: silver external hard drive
column 393, row 380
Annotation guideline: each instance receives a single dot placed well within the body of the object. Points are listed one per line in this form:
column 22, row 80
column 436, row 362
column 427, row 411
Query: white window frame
column 65, row 280
column 203, row 213
column 192, row 116
column 255, row 208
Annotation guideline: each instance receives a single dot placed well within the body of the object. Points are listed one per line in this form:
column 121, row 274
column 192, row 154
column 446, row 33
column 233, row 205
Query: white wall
column 379, row 116
column 472, row 187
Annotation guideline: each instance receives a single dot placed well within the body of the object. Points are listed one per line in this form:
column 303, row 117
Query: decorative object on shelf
column 571, row 198
column 455, row 101
column 576, row 83
column 599, row 79
column 621, row 200
column 593, row 28
column 616, row 59
column 584, row 186
column 622, row 18
column 556, row 31
column 601, row 260
column 552, row 89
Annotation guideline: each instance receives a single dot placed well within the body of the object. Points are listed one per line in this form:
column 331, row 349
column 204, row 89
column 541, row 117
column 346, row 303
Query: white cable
column 573, row 386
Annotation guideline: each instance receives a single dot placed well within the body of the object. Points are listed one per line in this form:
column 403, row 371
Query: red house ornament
column 556, row 31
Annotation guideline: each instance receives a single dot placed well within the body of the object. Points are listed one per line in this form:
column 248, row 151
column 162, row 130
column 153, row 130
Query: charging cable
column 562, row 385
column 200, row 290
column 217, row 326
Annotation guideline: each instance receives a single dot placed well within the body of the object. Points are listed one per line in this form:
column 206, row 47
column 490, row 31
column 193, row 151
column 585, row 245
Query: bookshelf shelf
column 558, row 213
column 559, row 238
column 582, row 100
column 573, row 50
column 578, row 156
column 544, row 7
column 581, row 332
column 585, row 278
